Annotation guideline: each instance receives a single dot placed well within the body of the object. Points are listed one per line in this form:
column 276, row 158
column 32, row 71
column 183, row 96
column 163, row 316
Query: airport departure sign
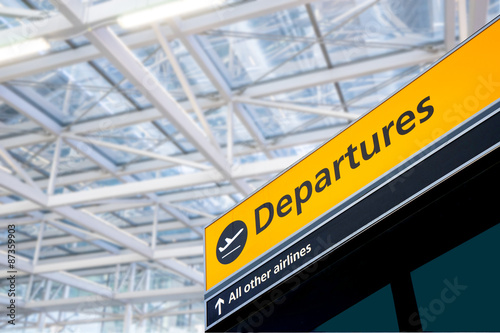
column 446, row 95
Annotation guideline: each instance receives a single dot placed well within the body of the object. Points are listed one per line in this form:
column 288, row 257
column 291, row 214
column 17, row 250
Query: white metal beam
column 129, row 189
column 28, row 110
column 185, row 84
column 84, row 219
column 245, row 11
column 18, row 169
column 182, row 269
column 14, row 12
column 97, row 240
column 111, row 122
column 463, row 24
column 449, row 24
column 199, row 54
column 81, row 146
column 79, row 283
column 112, row 317
column 22, row 264
column 77, row 235
column 177, row 181
column 96, row 157
column 144, row 80
column 54, row 167
column 363, row 68
column 162, row 252
column 92, row 222
column 16, row 186
column 166, row 183
column 133, row 297
column 49, row 125
column 478, row 14
column 241, row 171
column 346, row 72
column 207, row 66
column 59, row 27
column 173, row 160
column 295, row 107
column 102, row 227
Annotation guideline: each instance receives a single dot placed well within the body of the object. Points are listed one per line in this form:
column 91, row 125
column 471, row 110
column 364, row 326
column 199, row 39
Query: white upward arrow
column 219, row 303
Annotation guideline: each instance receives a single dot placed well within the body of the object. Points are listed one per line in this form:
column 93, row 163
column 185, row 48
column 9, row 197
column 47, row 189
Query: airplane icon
column 229, row 241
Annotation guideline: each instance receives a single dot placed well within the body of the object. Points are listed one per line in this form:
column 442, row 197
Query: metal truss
column 80, row 259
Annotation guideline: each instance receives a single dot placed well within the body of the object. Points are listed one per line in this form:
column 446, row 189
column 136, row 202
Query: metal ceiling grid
column 117, row 146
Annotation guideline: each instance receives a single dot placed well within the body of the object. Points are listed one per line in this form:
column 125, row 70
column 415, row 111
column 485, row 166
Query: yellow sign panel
column 447, row 94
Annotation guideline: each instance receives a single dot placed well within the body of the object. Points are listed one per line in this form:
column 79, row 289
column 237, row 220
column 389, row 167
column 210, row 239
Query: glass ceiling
column 119, row 171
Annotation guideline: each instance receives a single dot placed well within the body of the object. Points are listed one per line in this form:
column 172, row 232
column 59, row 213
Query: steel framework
column 111, row 244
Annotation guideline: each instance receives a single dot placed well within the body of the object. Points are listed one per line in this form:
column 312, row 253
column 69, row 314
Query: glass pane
column 13, row 3
column 493, row 10
column 57, row 46
column 156, row 61
column 264, row 48
column 9, row 116
column 79, row 41
column 42, row 4
column 131, row 215
column 83, row 186
column 351, row 33
column 113, row 219
column 459, row 290
column 217, row 120
column 73, row 93
column 250, row 158
column 41, row 156
column 274, row 122
column 325, row 95
column 8, row 22
column 366, row 92
column 213, row 206
column 297, row 151
column 179, row 139
column 144, row 137
column 374, row 313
